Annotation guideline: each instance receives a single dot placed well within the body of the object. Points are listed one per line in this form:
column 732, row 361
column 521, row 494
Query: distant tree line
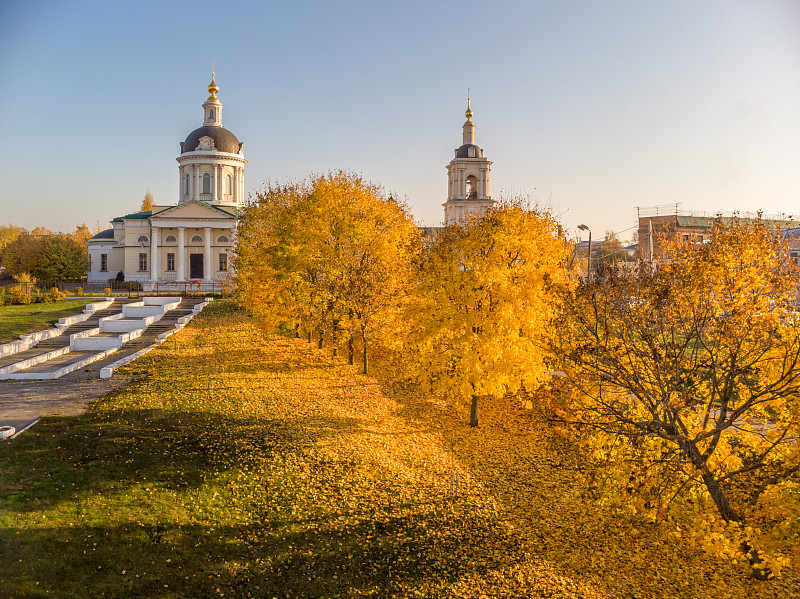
column 43, row 254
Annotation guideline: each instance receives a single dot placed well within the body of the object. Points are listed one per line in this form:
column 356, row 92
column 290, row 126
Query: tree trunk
column 365, row 355
column 309, row 336
column 725, row 508
column 321, row 338
column 335, row 339
column 297, row 331
column 473, row 411
column 350, row 352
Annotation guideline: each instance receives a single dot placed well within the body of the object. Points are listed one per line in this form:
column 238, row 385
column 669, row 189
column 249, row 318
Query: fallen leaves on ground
column 245, row 464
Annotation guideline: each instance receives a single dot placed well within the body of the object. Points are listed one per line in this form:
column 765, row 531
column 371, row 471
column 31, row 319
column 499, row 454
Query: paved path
column 24, row 402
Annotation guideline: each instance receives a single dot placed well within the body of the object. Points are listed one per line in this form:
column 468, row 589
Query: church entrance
column 195, row 266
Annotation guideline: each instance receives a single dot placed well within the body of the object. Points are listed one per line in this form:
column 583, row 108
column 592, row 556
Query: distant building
column 467, row 178
column 193, row 239
column 657, row 222
column 793, row 245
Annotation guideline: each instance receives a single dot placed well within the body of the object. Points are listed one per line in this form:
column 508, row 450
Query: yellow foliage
column 484, row 299
column 331, row 255
column 688, row 377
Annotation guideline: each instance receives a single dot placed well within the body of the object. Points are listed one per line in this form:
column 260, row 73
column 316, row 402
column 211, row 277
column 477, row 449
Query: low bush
column 78, row 291
column 53, row 295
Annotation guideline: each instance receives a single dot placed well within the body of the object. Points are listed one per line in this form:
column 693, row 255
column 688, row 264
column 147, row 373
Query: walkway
column 23, row 402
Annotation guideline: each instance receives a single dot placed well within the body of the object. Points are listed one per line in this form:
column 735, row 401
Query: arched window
column 171, row 239
column 206, row 183
column 121, row 240
column 472, row 188
column 197, row 239
column 222, row 239
column 228, row 184
column 186, row 185
column 211, row 114
column 142, row 239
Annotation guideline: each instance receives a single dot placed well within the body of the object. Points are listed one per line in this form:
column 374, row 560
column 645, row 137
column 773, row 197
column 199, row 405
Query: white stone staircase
column 62, row 351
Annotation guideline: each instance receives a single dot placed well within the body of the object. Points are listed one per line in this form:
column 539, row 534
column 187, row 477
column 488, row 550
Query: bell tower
column 467, row 178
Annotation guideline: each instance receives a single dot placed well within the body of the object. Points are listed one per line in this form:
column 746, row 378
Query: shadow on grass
column 354, row 559
column 63, row 459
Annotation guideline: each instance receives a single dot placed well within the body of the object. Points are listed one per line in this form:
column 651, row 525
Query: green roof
column 133, row 216
column 232, row 211
column 707, row 221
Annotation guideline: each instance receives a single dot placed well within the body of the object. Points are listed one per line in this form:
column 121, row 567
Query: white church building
column 192, row 240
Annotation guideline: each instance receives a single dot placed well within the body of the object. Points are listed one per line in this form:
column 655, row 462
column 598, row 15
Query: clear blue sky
column 594, row 107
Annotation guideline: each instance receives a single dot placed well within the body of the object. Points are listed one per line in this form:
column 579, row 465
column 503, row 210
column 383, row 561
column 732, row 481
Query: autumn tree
column 332, row 254
column 9, row 233
column 610, row 252
column 485, row 297
column 688, row 375
column 82, row 233
column 48, row 256
column 147, row 202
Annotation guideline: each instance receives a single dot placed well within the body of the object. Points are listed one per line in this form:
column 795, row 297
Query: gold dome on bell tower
column 213, row 88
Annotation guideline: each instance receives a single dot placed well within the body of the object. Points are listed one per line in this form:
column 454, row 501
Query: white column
column 207, row 254
column 235, row 182
column 194, row 182
column 241, row 184
column 214, row 197
column 181, row 266
column 154, row 252
column 220, row 187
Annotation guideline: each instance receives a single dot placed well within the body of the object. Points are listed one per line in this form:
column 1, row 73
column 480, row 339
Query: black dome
column 224, row 140
column 463, row 151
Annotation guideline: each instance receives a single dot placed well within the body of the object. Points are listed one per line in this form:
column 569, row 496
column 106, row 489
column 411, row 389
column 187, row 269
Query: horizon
column 592, row 110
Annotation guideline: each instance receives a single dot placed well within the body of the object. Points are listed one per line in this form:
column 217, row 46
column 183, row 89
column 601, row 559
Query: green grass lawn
column 242, row 464
column 30, row 318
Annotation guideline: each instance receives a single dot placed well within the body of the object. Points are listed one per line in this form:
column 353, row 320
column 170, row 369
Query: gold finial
column 468, row 113
column 213, row 88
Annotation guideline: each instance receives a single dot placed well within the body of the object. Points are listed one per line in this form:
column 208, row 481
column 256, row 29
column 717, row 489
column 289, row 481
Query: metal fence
column 129, row 288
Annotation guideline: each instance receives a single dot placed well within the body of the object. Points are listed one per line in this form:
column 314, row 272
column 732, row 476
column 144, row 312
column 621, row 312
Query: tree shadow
column 408, row 554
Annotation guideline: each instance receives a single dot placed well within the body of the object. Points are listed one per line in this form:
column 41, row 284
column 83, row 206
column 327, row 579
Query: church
column 193, row 240
column 467, row 178
column 189, row 241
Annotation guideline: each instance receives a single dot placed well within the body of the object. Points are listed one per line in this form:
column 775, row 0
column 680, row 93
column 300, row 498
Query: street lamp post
column 589, row 260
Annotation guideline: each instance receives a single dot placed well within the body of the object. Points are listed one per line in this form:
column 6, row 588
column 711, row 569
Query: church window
column 223, row 262
column 211, row 114
column 222, row 239
column 103, row 262
column 472, row 188
column 171, row 239
column 170, row 261
column 142, row 239
column 186, row 185
column 197, row 239
column 142, row 261
column 206, row 183
column 228, row 184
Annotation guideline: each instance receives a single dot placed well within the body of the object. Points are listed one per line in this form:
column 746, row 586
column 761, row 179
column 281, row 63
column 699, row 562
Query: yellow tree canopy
column 485, row 298
column 689, row 377
column 331, row 254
